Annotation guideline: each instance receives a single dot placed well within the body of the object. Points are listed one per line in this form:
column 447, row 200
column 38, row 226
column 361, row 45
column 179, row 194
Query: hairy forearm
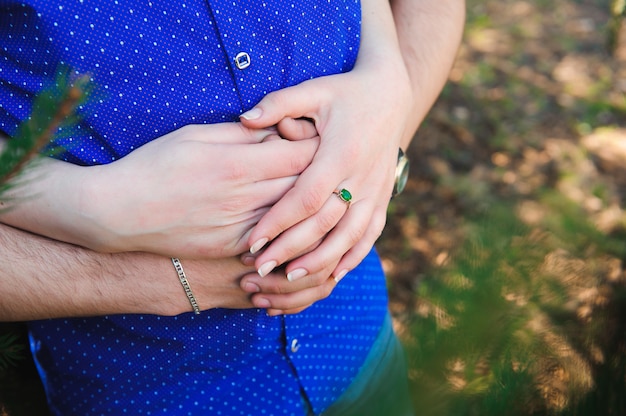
column 429, row 33
column 42, row 278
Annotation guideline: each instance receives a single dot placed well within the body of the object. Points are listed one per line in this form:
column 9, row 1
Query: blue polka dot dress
column 158, row 66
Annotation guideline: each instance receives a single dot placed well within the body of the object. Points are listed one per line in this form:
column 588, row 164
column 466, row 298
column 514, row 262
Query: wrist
column 74, row 201
column 44, row 200
column 99, row 210
column 144, row 283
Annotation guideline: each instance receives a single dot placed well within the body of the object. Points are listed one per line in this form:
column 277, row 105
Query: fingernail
column 252, row 114
column 262, row 303
column 296, row 274
column 266, row 268
column 258, row 245
column 340, row 275
column 250, row 287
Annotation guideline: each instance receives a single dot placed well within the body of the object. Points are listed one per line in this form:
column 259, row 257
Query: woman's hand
column 200, row 190
column 193, row 193
column 361, row 118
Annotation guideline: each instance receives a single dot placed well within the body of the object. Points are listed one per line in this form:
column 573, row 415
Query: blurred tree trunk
column 616, row 25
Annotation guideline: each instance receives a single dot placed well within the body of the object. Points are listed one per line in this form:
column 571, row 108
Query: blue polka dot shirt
column 157, row 66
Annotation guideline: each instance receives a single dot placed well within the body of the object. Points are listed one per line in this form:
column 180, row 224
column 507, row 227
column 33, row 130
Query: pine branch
column 11, row 350
column 51, row 109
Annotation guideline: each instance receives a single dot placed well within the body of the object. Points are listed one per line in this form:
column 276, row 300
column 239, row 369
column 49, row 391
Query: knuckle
column 325, row 222
column 319, row 279
column 236, row 172
column 236, row 206
column 273, row 98
column 273, row 287
column 290, row 251
column 356, row 233
column 191, row 129
column 311, row 201
column 299, row 162
column 377, row 225
column 325, row 290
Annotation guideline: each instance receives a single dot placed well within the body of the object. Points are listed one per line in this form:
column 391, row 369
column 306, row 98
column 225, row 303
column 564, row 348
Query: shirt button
column 295, row 346
column 242, row 60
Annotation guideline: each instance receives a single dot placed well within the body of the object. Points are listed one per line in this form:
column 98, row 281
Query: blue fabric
column 157, row 66
column 381, row 387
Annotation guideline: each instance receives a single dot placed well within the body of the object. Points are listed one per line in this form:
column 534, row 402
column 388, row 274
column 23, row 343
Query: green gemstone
column 345, row 195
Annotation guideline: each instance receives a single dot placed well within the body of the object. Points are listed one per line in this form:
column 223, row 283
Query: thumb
column 299, row 101
column 296, row 129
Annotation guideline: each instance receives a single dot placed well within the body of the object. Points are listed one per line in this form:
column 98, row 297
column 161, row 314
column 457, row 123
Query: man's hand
column 43, row 278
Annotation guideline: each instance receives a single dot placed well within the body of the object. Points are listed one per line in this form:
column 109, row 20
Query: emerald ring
column 344, row 195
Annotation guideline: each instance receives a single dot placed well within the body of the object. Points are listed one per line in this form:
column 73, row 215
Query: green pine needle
column 11, row 350
column 51, row 109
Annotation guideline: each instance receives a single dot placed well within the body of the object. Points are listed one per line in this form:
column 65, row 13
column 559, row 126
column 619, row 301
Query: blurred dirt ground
column 536, row 105
column 535, row 101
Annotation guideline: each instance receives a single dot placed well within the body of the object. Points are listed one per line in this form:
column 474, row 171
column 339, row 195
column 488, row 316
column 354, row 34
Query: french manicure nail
column 258, row 245
column 296, row 274
column 266, row 268
column 252, row 114
column 340, row 275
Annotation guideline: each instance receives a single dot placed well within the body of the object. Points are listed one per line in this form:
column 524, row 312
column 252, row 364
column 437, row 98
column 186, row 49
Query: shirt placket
column 255, row 61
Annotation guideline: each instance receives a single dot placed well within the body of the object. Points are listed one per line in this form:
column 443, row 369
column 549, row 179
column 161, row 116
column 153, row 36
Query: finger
column 259, row 194
column 248, row 259
column 325, row 174
column 301, row 236
column 304, row 200
column 272, row 159
column 271, row 137
column 277, row 312
column 296, row 129
column 294, row 300
column 277, row 283
column 293, row 102
column 360, row 250
column 233, row 133
column 355, row 234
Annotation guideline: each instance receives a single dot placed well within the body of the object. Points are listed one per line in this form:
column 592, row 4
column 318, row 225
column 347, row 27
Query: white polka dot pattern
column 158, row 66
column 161, row 65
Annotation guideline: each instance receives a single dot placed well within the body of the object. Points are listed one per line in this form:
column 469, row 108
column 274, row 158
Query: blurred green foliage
column 52, row 108
column 527, row 314
column 11, row 350
column 497, row 319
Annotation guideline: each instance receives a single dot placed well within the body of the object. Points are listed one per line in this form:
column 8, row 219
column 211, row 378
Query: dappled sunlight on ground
column 534, row 117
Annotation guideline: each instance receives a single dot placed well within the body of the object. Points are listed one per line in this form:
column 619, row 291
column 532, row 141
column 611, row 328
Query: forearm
column 42, row 278
column 429, row 33
column 381, row 53
column 47, row 199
